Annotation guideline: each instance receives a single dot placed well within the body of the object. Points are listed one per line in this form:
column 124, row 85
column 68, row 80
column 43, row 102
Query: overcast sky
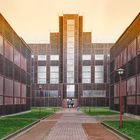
column 33, row 20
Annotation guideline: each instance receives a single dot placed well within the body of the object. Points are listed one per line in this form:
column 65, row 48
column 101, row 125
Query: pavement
column 68, row 125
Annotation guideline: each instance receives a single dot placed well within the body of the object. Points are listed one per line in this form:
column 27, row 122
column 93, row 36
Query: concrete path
column 66, row 125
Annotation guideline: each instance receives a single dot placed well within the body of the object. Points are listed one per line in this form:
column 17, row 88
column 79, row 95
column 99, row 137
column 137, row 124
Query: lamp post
column 120, row 73
column 40, row 87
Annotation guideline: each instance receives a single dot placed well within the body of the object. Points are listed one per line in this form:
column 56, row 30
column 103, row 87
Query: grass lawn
column 130, row 128
column 95, row 111
column 36, row 113
column 11, row 124
column 8, row 126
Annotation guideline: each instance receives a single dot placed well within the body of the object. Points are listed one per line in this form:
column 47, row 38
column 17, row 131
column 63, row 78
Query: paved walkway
column 63, row 126
column 69, row 126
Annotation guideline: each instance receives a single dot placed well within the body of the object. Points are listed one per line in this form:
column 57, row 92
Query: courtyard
column 67, row 124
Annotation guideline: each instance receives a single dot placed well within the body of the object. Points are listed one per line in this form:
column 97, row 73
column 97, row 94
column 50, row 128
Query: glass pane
column 41, row 81
column 54, row 69
column 16, row 57
column 55, row 57
column 86, row 75
column 53, row 93
column 42, row 75
column 70, row 62
column 99, row 68
column 1, row 100
column 23, row 92
column 8, row 51
column 99, row 80
column 86, row 80
column 70, row 51
column 70, row 56
column 99, row 57
column 131, row 88
column 70, row 90
column 86, row 68
column 1, row 85
column 86, row 57
column 70, row 74
column 16, row 89
column 54, row 75
column 94, row 93
column 23, row 63
column 54, row 81
column 42, row 57
column 42, row 69
column 70, row 68
column 70, row 80
column 9, row 87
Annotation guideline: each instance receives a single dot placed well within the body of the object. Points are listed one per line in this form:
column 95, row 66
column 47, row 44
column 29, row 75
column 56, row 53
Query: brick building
column 71, row 67
column 15, row 62
column 126, row 54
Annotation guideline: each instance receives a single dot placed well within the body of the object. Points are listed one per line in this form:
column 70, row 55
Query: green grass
column 130, row 128
column 10, row 124
column 36, row 113
column 95, row 111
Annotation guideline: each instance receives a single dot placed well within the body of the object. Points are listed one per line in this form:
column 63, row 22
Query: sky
column 33, row 20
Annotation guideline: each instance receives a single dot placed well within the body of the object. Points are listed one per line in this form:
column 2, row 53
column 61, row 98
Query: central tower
column 70, row 29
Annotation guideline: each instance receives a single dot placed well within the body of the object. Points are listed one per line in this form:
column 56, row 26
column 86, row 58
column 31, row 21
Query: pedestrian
column 78, row 109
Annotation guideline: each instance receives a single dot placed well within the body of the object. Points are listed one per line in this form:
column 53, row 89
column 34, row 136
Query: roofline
column 127, row 29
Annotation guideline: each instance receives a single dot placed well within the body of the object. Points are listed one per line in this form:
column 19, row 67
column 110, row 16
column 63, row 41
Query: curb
column 25, row 128
column 116, row 131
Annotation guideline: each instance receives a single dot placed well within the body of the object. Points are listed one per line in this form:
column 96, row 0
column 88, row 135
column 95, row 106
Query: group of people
column 70, row 104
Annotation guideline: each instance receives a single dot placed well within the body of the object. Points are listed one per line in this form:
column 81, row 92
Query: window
column 99, row 57
column 116, row 90
column 1, row 44
column 99, row 74
column 131, row 86
column 23, row 63
column 32, row 56
column 86, row 57
column 54, row 74
column 42, row 57
column 70, row 51
column 16, row 93
column 70, row 90
column 86, row 74
column 94, row 93
column 53, row 93
column 1, row 85
column 16, row 57
column 1, row 90
column 55, row 57
column 23, row 94
column 8, row 91
column 138, row 85
column 41, row 74
column 132, row 50
column 8, row 51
